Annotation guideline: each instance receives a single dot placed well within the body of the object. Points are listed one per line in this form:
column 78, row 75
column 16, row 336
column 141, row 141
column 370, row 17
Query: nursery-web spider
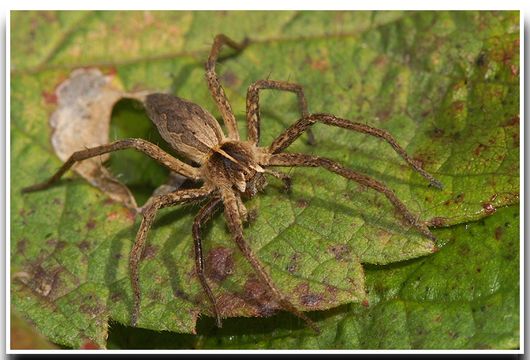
column 230, row 168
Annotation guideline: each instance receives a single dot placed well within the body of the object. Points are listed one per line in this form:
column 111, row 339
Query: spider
column 231, row 169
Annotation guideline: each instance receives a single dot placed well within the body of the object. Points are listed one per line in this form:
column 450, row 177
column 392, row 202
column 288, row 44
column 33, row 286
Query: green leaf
column 445, row 84
column 436, row 302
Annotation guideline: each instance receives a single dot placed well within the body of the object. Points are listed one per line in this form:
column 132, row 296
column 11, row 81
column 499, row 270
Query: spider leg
column 243, row 212
column 293, row 132
column 149, row 213
column 146, row 147
column 288, row 159
column 253, row 113
column 204, row 214
column 236, row 230
column 215, row 87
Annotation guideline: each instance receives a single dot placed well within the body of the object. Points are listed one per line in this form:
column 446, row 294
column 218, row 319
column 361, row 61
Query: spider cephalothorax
column 230, row 168
column 233, row 163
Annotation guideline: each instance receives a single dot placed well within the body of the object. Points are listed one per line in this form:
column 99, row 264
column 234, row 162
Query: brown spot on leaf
column 365, row 303
column 492, row 140
column 311, row 300
column 25, row 212
column 276, row 255
column 91, row 306
column 464, row 250
column 478, row 150
column 130, row 214
column 380, row 61
column 438, row 221
column 219, row 264
column 332, row 292
column 384, row 114
column 230, row 78
column 49, row 97
column 452, row 334
column 498, row 232
column 179, row 293
column 233, row 304
column 149, row 252
column 341, row 252
column 229, row 305
column 293, row 263
column 302, row 203
column 457, row 200
column 321, row 64
column 89, row 345
column 514, row 70
column 254, row 289
column 424, row 158
column 488, row 208
column 112, row 216
column 458, row 106
column 91, row 224
column 123, row 213
column 155, row 295
column 21, row 246
column 49, row 16
column 258, row 295
column 116, row 296
column 513, row 121
column 515, row 139
column 307, row 298
column 56, row 244
column 110, row 71
column 507, row 56
column 40, row 280
column 436, row 133
column 84, row 245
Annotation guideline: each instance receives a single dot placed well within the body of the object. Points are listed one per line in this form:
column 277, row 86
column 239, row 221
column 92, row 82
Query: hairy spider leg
column 236, row 230
column 294, row 131
column 204, row 215
column 253, row 109
column 141, row 145
column 215, row 87
column 289, row 159
column 149, row 213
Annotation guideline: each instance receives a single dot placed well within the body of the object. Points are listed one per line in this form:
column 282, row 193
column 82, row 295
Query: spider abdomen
column 187, row 127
